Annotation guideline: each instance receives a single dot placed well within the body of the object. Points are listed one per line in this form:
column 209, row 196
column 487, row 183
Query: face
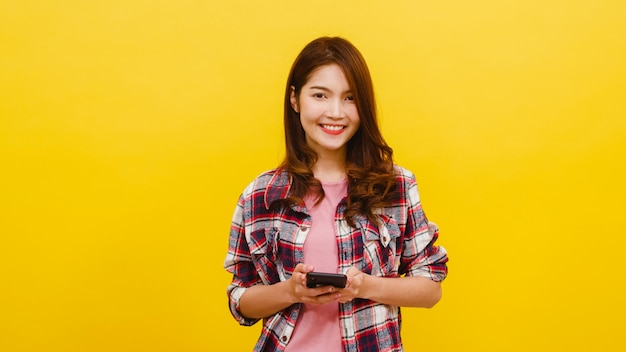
column 328, row 113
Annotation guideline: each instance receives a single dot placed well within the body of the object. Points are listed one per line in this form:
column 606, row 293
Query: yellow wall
column 128, row 129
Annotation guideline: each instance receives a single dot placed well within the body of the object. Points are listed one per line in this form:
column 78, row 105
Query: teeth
column 332, row 128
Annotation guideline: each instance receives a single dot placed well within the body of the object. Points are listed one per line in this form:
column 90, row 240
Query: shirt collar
column 278, row 187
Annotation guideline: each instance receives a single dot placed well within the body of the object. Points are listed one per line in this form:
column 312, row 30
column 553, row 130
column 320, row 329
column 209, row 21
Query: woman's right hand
column 303, row 294
column 260, row 301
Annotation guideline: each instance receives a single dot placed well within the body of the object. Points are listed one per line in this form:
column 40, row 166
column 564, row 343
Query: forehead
column 327, row 75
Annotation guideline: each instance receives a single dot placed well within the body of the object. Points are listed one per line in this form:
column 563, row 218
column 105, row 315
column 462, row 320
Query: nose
column 336, row 109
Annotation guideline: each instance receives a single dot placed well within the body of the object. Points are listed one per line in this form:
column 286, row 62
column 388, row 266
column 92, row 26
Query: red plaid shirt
column 265, row 246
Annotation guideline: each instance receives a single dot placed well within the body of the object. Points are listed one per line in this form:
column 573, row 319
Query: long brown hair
column 369, row 159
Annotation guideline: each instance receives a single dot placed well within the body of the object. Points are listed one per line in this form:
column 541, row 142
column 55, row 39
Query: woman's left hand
column 410, row 291
column 353, row 287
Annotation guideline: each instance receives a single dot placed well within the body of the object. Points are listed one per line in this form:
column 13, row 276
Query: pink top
column 317, row 328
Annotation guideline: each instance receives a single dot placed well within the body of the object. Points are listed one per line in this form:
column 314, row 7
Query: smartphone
column 315, row 279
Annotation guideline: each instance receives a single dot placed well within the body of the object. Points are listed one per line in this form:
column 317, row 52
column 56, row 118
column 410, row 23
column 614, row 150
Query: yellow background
column 129, row 128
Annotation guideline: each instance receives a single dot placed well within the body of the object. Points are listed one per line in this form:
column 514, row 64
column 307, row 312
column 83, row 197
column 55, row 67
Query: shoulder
column 268, row 186
column 407, row 190
column 264, row 179
column 404, row 176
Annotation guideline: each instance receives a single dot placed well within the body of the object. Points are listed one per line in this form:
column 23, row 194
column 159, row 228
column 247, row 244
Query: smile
column 333, row 128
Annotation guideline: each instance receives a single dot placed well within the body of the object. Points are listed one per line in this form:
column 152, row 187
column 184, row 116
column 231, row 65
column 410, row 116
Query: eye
column 350, row 98
column 318, row 95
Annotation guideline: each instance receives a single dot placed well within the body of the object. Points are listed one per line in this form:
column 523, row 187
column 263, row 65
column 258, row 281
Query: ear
column 293, row 99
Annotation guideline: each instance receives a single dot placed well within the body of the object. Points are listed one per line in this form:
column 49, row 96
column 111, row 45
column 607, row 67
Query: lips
column 333, row 129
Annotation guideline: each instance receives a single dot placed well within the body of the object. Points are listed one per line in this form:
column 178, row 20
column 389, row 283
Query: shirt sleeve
column 421, row 257
column 238, row 262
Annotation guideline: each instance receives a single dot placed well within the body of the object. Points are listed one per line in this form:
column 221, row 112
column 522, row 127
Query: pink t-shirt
column 317, row 328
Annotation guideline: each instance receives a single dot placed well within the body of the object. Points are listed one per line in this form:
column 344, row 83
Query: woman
column 336, row 204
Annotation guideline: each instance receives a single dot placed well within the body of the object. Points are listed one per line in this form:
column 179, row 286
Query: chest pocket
column 381, row 252
column 263, row 244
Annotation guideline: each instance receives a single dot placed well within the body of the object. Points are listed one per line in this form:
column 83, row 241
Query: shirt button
column 284, row 338
column 304, row 228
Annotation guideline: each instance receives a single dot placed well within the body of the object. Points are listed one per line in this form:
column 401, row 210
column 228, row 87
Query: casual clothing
column 265, row 246
column 317, row 328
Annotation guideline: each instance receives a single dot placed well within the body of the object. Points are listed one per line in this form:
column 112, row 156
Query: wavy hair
column 369, row 159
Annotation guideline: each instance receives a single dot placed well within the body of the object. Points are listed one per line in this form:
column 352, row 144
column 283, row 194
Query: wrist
column 368, row 287
column 286, row 288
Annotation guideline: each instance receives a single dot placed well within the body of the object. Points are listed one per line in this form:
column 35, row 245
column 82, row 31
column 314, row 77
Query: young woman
column 336, row 204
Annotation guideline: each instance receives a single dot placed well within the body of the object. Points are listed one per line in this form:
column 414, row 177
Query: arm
column 407, row 291
column 249, row 298
column 402, row 291
column 261, row 301
column 423, row 263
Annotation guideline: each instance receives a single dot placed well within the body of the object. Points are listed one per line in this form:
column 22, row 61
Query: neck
column 330, row 168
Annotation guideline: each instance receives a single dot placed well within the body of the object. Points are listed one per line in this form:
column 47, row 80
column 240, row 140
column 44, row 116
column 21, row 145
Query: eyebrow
column 327, row 89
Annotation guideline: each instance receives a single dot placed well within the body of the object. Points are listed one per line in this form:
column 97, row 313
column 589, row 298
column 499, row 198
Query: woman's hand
column 407, row 291
column 302, row 294
column 354, row 285
column 260, row 301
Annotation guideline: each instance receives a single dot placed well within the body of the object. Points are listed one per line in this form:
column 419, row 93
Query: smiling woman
column 337, row 204
column 328, row 116
column 127, row 131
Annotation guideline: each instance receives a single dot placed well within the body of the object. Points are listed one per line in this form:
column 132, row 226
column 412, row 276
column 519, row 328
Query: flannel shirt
column 265, row 246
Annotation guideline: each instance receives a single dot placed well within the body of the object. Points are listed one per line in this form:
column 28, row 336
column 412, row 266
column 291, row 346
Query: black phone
column 315, row 279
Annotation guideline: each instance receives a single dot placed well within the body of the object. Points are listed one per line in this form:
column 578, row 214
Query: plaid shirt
column 265, row 246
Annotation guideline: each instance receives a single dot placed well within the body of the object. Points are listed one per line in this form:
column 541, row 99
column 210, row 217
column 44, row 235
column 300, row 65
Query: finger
column 348, row 282
column 299, row 274
column 352, row 271
column 322, row 290
column 324, row 298
column 303, row 268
